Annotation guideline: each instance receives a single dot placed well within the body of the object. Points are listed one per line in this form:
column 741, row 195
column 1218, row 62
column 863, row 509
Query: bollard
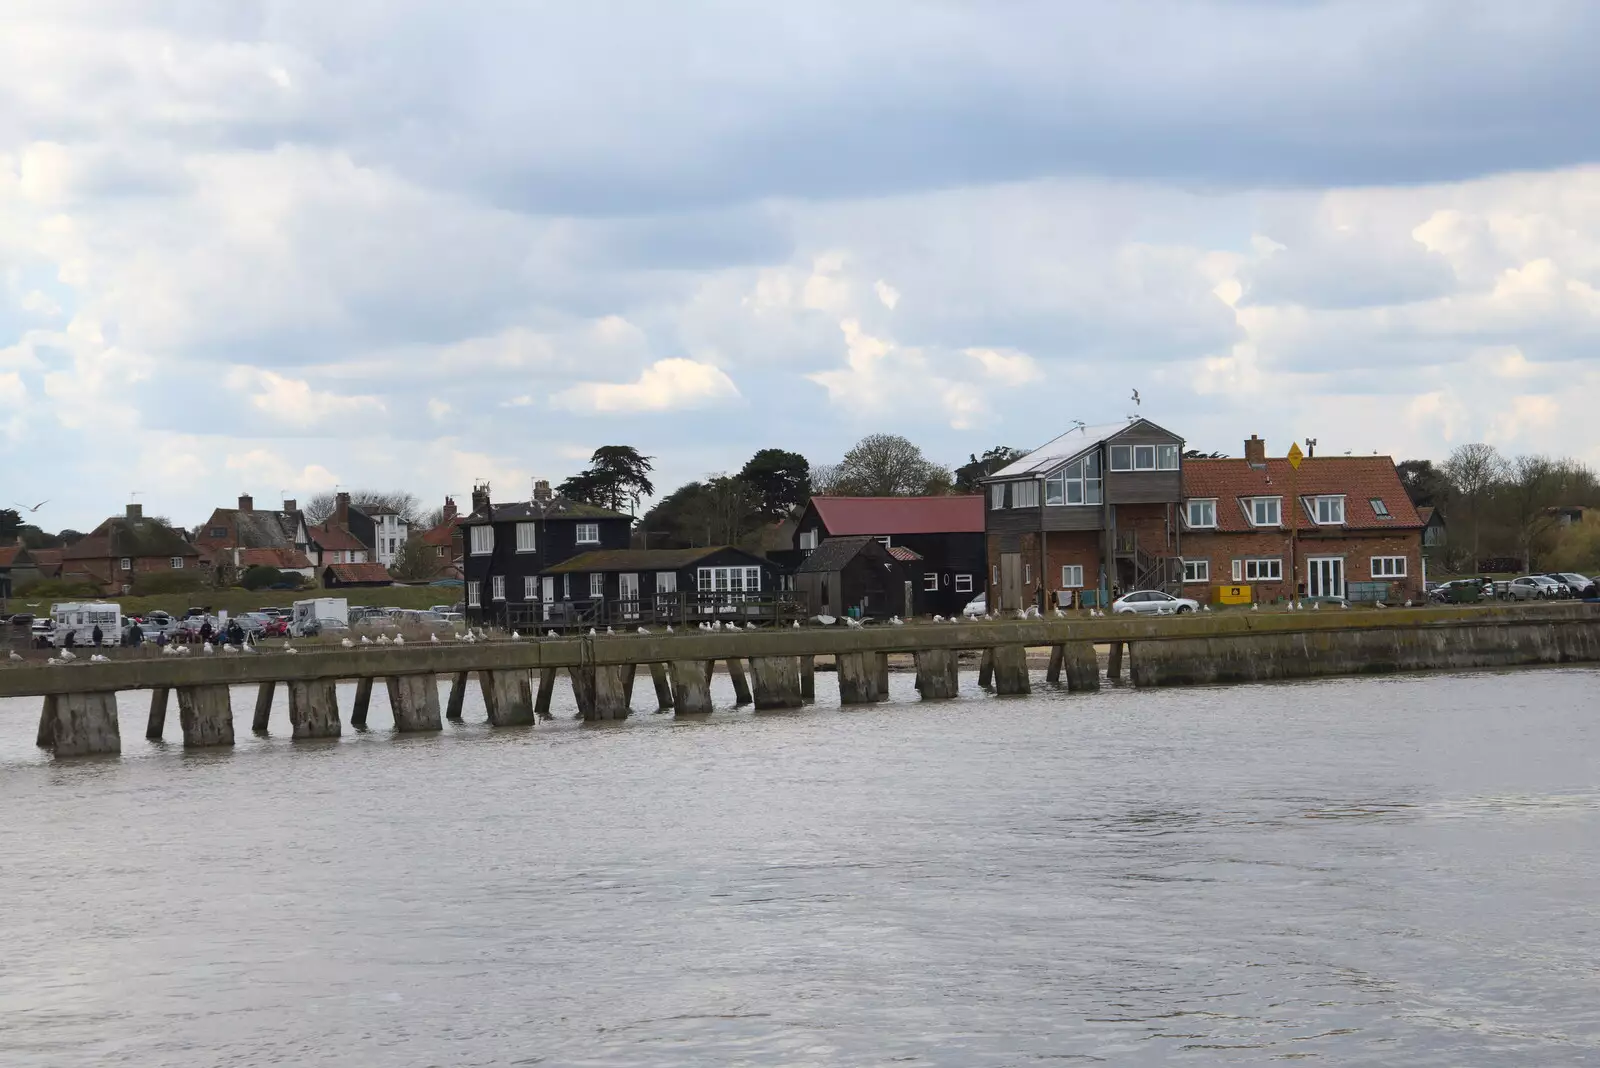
column 206, row 713
column 583, row 683
column 691, row 692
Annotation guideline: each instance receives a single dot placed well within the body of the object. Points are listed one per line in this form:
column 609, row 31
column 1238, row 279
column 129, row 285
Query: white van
column 79, row 620
column 310, row 615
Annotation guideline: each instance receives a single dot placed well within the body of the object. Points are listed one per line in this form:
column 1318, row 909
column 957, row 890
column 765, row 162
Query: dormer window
column 1329, row 511
column 1202, row 514
column 1379, row 509
column 1266, row 511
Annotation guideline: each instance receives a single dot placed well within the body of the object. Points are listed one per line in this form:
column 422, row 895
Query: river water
column 1354, row 872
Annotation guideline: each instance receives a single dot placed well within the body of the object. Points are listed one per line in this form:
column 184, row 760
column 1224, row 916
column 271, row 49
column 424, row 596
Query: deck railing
column 663, row 609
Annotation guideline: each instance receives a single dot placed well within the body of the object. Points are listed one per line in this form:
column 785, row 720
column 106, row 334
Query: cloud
column 665, row 385
column 1007, row 368
column 888, row 294
column 294, row 401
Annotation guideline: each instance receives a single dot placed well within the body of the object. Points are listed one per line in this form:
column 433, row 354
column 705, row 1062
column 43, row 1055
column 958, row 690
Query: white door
column 547, row 595
column 628, row 594
column 1325, row 576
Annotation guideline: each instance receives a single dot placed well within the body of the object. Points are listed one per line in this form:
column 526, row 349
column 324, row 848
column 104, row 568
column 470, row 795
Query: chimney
column 541, row 490
column 135, row 511
column 449, row 509
column 247, row 503
column 341, row 511
column 1255, row 450
column 291, row 505
column 480, row 499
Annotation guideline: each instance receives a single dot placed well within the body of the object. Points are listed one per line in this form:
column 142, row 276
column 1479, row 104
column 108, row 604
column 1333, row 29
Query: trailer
column 311, row 614
column 80, row 619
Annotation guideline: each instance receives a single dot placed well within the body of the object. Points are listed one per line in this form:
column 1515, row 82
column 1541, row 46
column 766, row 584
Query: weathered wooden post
column 583, row 683
column 881, row 667
column 986, row 669
column 45, row 737
column 658, row 675
column 858, row 678
column 458, row 695
column 415, row 702
column 937, row 676
column 81, row 724
column 690, row 689
column 547, row 690
column 263, row 707
column 741, row 685
column 808, row 678
column 508, row 696
column 1082, row 665
column 1113, row 662
column 358, row 714
column 776, row 681
column 206, row 713
column 314, row 708
column 156, row 725
column 1052, row 674
column 1011, row 669
column 608, row 700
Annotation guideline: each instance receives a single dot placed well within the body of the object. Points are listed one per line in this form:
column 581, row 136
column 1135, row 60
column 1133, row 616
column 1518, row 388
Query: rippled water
column 1371, row 871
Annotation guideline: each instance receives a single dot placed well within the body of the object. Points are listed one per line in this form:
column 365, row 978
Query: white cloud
column 262, row 467
column 294, row 401
column 1009, row 368
column 13, row 392
column 888, row 294
column 881, row 376
column 439, row 410
column 665, row 385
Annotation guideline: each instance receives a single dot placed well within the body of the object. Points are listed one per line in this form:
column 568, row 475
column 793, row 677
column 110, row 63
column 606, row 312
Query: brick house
column 1339, row 528
column 124, row 547
column 1091, row 512
column 246, row 536
column 443, row 543
column 339, row 540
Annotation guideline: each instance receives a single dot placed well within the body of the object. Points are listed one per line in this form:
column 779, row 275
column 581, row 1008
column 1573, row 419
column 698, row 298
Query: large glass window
column 1144, row 457
column 1077, row 483
column 997, row 495
column 1122, row 457
column 1388, row 567
column 1167, row 457
column 1264, row 570
column 597, row 586
column 1330, row 510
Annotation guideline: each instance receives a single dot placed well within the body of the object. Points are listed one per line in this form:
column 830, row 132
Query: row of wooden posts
column 78, row 724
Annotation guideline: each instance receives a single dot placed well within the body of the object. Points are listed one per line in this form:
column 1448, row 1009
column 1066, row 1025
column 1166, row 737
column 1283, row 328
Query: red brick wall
column 108, row 571
column 1149, row 523
column 1080, row 547
column 1221, row 549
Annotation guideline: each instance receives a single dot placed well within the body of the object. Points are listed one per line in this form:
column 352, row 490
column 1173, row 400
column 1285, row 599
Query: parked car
column 1152, row 602
column 22, row 619
column 978, row 606
column 1579, row 585
column 1461, row 591
column 1531, row 588
column 314, row 627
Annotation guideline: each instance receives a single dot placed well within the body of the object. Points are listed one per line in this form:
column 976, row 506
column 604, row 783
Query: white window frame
column 530, row 587
column 597, row 585
column 997, row 496
column 1025, row 494
column 1085, row 488
column 1165, row 453
column 125, row 564
column 527, row 537
column 1263, row 569
column 1238, row 571
column 1209, row 505
column 497, row 587
column 1072, row 576
column 592, row 530
column 1121, row 458
column 930, row 582
column 963, row 583
column 883, row 540
column 1325, row 506
column 808, row 540
column 1138, row 464
column 666, row 582
column 1379, row 564
column 474, row 595
column 1257, row 503
column 1380, row 509
column 1196, row 572
column 482, row 540
column 176, row 563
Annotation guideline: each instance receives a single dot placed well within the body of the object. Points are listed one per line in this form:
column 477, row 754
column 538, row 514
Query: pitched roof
column 442, row 534
column 360, row 573
column 256, row 528
column 554, row 508
column 283, row 559
column 641, row 559
column 120, row 536
column 47, row 560
column 904, row 555
column 1360, row 479
column 334, row 539
column 835, row 553
column 1059, row 450
column 846, row 516
column 11, row 554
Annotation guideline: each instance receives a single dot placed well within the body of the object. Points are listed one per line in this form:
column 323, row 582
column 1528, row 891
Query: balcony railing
column 781, row 608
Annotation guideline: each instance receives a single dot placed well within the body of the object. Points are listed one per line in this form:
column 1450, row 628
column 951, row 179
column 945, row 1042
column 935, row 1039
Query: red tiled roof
column 335, row 538
column 8, row 554
column 900, row 552
column 283, row 559
column 360, row 572
column 47, row 560
column 441, row 534
column 844, row 516
column 1361, row 479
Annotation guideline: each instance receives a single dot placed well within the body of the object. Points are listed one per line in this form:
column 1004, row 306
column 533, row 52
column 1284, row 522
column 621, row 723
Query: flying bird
column 35, row 508
column 1135, row 397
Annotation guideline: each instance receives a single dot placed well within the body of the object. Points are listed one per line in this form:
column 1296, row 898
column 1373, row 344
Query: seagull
column 434, row 638
column 1344, row 604
column 1205, row 608
column 399, row 639
column 1060, row 614
column 734, row 626
column 53, row 660
column 1316, row 606
column 1408, row 604
column 550, row 634
column 458, row 636
column 183, row 650
column 1135, row 397
column 940, row 619
column 35, row 508
column 591, row 632
column 515, row 636
column 291, row 650
column 383, row 639
column 230, row 648
column 1255, row 608
column 249, row 647
column 896, row 621
column 795, row 625
column 365, row 640
column 98, row 659
column 68, row 654
column 610, row 631
column 347, row 643
column 14, row 657
column 1379, row 604
column 644, row 630
column 852, row 622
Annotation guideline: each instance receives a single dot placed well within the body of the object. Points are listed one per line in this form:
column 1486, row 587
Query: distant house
column 1339, row 527
column 944, row 536
column 247, row 536
column 18, row 568
column 855, row 576
column 123, row 548
column 1092, row 510
column 1434, row 535
column 509, row 547
column 334, row 539
column 389, row 533
column 653, row 583
column 443, row 543
column 335, row 576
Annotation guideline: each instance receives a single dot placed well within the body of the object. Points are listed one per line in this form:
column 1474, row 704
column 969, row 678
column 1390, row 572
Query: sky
column 280, row 246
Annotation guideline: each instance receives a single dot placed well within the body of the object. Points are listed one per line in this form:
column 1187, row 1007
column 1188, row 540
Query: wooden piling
column 937, row 676
column 775, row 681
column 46, row 735
column 82, row 724
column 263, row 714
column 808, row 678
column 414, row 700
column 1082, row 666
column 358, row 714
column 547, row 690
column 314, row 708
column 508, row 696
column 206, row 714
column 1113, row 662
column 986, row 669
column 155, row 727
column 1011, row 670
column 690, row 689
column 608, row 701
column 583, row 683
column 858, row 678
column 741, row 685
column 1052, row 674
column 663, row 684
column 458, row 695
column 881, row 668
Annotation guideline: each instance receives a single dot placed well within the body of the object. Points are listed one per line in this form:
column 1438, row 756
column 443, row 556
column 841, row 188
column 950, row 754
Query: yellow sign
column 1295, row 456
column 1231, row 594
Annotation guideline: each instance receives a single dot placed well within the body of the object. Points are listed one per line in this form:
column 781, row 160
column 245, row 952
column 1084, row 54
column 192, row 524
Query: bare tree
column 416, row 561
column 406, row 505
column 1531, row 495
column 1473, row 471
column 887, row 465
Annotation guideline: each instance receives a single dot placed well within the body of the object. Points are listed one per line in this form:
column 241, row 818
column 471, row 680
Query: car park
column 1579, row 585
column 1153, row 602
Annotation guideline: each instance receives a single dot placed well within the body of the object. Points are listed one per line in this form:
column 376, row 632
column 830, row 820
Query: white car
column 976, row 607
column 1153, row 603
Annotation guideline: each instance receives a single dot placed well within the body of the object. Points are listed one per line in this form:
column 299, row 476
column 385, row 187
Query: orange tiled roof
column 283, row 559
column 1361, row 480
column 360, row 572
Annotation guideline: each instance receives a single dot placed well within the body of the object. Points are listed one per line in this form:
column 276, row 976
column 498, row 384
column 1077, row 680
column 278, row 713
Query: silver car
column 1153, row 602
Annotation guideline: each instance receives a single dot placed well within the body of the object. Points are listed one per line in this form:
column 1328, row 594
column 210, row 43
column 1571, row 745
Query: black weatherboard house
column 625, row 585
column 855, row 576
column 508, row 547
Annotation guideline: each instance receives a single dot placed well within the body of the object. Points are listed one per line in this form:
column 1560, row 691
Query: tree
column 416, row 561
column 1531, row 495
column 1473, row 471
column 10, row 524
column 260, row 576
column 320, row 507
column 1424, row 483
column 618, row 476
column 722, row 510
column 782, row 480
column 888, row 465
column 1196, row 454
column 970, row 475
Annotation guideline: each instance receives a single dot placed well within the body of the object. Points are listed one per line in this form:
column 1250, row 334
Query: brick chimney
column 1255, row 450
column 541, row 490
column 247, row 503
column 135, row 511
column 449, row 509
column 291, row 505
column 341, row 511
column 480, row 499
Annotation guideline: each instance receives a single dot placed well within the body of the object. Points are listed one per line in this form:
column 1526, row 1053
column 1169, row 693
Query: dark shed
column 854, row 576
